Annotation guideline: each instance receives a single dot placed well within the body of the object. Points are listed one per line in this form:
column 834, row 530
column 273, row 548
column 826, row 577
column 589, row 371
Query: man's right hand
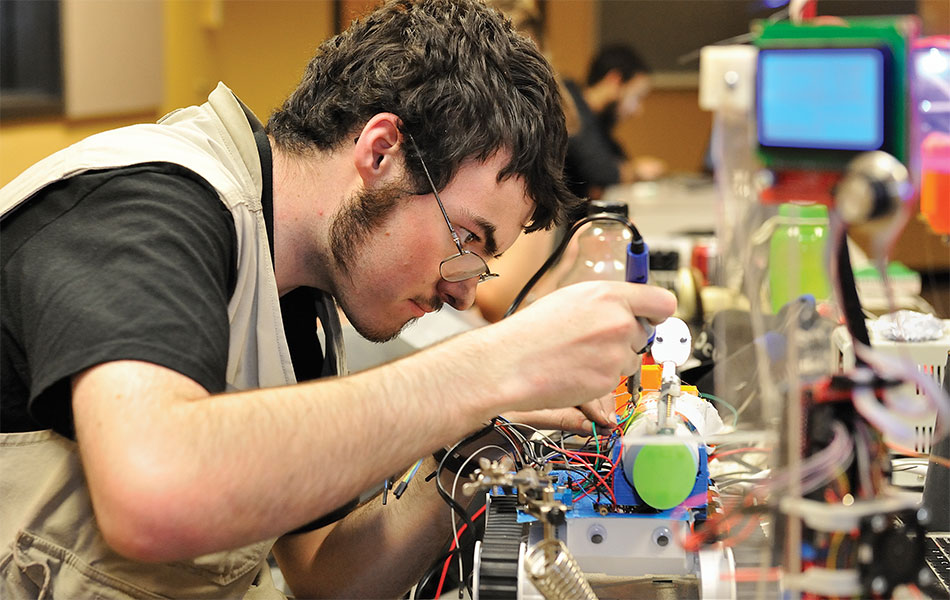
column 571, row 347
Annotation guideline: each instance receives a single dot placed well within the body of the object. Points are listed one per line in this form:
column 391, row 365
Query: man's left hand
column 574, row 420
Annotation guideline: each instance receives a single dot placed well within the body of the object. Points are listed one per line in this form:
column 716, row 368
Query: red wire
column 589, row 466
column 737, row 451
column 751, row 574
column 744, row 533
column 448, row 561
column 610, row 474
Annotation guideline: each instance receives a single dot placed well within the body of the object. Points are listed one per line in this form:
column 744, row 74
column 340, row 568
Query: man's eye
column 466, row 236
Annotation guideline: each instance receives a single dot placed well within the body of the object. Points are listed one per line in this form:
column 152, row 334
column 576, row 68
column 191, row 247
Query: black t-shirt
column 132, row 263
column 593, row 156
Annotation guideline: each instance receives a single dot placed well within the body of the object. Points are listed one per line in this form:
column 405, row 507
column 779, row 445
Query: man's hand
column 571, row 347
column 574, row 420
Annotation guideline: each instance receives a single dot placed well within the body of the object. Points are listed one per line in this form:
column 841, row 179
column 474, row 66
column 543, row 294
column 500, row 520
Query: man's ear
column 377, row 148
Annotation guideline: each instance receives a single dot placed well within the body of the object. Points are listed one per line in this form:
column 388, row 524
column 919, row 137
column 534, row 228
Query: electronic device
column 826, row 92
column 822, row 98
column 623, row 523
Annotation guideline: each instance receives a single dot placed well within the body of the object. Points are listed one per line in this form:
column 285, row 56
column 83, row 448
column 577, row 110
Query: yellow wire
column 836, row 540
column 411, row 469
column 844, row 483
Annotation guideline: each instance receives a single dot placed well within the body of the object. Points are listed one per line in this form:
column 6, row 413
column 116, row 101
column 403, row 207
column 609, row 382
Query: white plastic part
column 930, row 359
column 673, row 343
column 822, row 516
column 727, row 78
column 825, row 582
column 526, row 589
column 717, row 573
column 629, row 549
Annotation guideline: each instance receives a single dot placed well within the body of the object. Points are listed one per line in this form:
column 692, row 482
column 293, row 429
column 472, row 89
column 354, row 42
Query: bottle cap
column 803, row 211
column 595, row 207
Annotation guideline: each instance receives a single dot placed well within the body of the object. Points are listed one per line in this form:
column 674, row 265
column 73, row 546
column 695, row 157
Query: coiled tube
column 555, row 573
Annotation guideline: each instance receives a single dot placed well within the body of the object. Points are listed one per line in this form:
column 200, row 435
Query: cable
column 458, row 508
column 448, row 560
column 636, row 244
column 925, row 457
column 847, row 290
column 732, row 409
column 724, row 453
column 401, row 488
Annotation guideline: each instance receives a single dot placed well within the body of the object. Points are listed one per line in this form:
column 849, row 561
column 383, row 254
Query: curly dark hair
column 463, row 83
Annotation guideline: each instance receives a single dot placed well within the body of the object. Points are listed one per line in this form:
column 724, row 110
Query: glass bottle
column 601, row 247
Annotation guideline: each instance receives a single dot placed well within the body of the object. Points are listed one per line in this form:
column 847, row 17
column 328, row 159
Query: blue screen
column 827, row 98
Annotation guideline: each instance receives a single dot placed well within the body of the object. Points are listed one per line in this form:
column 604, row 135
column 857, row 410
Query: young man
column 617, row 82
column 160, row 289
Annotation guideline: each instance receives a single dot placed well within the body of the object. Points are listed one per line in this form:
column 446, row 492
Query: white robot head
column 673, row 342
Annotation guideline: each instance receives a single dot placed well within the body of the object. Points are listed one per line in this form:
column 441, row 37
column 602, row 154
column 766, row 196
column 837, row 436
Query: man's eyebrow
column 491, row 246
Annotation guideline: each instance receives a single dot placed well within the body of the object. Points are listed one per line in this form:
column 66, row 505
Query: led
column 932, row 63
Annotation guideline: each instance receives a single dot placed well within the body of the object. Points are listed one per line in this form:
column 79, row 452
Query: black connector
column 400, row 489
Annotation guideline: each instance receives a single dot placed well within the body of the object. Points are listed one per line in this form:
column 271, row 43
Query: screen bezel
column 825, row 156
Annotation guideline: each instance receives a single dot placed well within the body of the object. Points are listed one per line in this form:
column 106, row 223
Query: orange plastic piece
column 935, row 181
column 650, row 380
column 650, row 376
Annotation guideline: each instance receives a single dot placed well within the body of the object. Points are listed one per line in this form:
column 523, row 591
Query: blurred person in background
column 618, row 80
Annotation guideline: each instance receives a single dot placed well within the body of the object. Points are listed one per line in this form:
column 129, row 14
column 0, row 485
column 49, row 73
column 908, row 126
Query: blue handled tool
column 638, row 270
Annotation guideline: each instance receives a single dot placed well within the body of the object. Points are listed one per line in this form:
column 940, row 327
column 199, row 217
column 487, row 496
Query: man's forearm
column 379, row 551
column 211, row 473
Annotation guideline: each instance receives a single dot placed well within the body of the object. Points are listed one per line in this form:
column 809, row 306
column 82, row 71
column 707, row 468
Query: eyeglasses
column 465, row 264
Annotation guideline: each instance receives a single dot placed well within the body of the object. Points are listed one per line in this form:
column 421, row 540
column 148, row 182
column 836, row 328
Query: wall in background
column 112, row 51
column 245, row 43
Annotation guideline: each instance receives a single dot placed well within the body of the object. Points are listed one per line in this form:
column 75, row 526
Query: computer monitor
column 828, row 91
column 821, row 98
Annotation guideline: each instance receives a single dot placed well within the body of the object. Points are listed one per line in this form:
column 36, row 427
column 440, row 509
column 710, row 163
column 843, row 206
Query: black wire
column 426, row 578
column 458, row 508
column 438, row 565
column 637, row 243
column 850, row 303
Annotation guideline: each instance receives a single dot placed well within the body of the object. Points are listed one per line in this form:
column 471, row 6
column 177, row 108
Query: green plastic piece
column 664, row 474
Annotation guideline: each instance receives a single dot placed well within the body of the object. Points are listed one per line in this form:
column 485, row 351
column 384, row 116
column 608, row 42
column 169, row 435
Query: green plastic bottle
column 797, row 254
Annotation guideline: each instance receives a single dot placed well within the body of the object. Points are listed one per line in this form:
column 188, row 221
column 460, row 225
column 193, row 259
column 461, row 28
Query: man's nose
column 460, row 295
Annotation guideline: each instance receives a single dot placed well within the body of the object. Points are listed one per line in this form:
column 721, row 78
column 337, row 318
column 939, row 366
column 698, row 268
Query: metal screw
column 878, row 523
column 731, row 78
column 865, row 554
column 879, row 584
column 923, row 515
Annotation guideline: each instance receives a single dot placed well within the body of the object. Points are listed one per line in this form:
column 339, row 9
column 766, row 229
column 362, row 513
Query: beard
column 363, row 213
column 351, row 229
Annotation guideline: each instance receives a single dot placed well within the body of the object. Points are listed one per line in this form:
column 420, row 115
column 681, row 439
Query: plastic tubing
column 906, row 370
